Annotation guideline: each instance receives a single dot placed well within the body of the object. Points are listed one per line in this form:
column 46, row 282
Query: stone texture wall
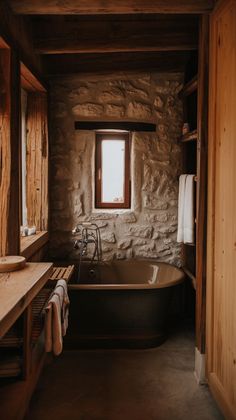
column 149, row 228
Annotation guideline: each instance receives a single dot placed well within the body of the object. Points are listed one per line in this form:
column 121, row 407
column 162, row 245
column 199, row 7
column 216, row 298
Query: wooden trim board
column 111, row 7
column 221, row 245
column 29, row 245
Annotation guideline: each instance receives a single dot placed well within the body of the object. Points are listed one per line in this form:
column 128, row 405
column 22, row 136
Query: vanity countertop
column 18, row 289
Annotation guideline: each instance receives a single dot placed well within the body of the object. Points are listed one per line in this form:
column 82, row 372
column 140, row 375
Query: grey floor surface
column 153, row 384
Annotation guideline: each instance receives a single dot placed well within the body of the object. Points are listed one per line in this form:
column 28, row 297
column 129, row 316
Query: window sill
column 112, row 211
column 29, row 245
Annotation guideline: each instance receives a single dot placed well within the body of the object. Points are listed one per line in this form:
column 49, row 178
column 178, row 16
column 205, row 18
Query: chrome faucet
column 87, row 231
column 89, row 234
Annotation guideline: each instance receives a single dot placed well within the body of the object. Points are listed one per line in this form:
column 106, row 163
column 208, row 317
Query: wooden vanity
column 18, row 289
column 21, row 292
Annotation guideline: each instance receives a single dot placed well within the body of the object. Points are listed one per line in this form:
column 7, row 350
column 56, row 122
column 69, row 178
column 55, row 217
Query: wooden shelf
column 190, row 275
column 191, row 136
column 190, row 87
column 29, row 245
column 13, row 338
column 18, row 289
column 10, row 364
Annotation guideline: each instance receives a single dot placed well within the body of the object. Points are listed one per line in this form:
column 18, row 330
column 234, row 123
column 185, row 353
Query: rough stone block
column 78, row 93
column 111, row 95
column 106, row 248
column 139, row 242
column 127, row 218
column 108, row 237
column 124, row 244
column 168, row 229
column 139, row 110
column 88, row 110
column 102, row 216
column 115, row 110
column 159, row 103
column 153, row 218
column 154, row 203
column 141, row 231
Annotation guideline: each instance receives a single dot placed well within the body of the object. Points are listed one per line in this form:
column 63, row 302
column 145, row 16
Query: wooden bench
column 59, row 273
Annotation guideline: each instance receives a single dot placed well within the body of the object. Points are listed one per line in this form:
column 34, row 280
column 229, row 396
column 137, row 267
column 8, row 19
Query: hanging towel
column 48, row 328
column 56, row 318
column 189, row 210
column 65, row 305
column 181, row 207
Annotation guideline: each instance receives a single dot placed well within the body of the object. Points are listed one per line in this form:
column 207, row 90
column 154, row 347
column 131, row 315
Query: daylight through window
column 112, row 170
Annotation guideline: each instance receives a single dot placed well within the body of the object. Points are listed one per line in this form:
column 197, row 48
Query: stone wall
column 149, row 228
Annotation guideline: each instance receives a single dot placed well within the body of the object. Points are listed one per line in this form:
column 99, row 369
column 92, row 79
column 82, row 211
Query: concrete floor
column 153, row 384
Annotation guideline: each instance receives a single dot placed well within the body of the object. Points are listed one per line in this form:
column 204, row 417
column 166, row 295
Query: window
column 34, row 153
column 23, row 157
column 112, row 170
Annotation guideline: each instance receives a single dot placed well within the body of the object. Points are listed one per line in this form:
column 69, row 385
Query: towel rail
column 59, row 273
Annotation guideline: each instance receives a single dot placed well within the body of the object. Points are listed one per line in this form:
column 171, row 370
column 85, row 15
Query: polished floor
column 153, row 384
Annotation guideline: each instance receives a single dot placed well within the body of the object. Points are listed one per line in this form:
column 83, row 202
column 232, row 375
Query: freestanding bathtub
column 121, row 304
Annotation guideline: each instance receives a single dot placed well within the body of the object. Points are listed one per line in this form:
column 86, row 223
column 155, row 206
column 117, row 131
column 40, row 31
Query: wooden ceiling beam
column 67, row 64
column 16, row 32
column 45, row 7
column 61, row 36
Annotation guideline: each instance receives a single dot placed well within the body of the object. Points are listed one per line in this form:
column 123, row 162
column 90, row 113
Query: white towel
column 189, row 210
column 62, row 286
column 56, row 318
column 185, row 232
column 182, row 183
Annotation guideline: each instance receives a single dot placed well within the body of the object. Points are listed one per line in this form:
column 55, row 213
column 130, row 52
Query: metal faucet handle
column 75, row 230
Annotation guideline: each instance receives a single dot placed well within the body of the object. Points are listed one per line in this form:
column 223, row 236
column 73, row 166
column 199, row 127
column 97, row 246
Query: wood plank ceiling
column 117, row 35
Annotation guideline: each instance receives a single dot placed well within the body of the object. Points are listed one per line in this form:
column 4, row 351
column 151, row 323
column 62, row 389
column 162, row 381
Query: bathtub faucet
column 82, row 244
column 89, row 234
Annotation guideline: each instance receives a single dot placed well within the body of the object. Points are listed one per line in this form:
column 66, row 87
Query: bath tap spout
column 89, row 233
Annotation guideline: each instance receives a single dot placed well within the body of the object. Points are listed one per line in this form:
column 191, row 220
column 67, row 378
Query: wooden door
column 221, row 241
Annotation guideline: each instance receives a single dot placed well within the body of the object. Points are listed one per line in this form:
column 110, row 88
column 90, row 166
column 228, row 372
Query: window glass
column 113, row 171
column 23, row 156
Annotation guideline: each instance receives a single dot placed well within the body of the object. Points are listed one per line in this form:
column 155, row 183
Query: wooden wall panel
column 9, row 152
column 221, row 262
column 202, row 129
column 4, row 145
column 37, row 161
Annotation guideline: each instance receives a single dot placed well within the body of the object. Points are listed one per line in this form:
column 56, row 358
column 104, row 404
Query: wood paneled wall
column 202, row 129
column 9, row 151
column 221, row 243
column 16, row 46
column 37, row 160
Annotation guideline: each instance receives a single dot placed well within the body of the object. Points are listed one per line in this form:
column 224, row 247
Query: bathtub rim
column 134, row 286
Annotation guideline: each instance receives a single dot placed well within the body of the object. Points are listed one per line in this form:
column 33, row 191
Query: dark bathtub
column 122, row 304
